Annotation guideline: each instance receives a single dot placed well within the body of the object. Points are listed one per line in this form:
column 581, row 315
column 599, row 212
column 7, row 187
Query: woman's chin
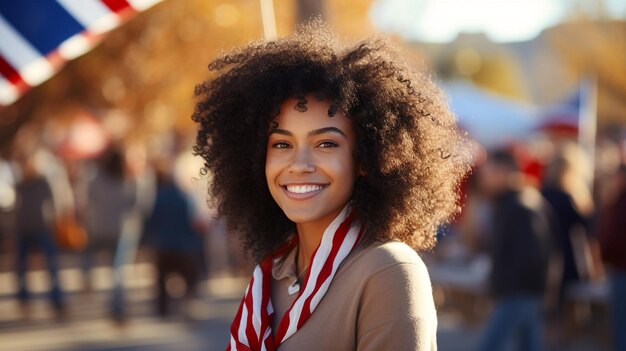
column 300, row 218
column 311, row 215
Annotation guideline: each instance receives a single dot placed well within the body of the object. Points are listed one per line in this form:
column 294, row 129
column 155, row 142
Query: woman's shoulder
column 396, row 307
column 391, row 252
column 378, row 257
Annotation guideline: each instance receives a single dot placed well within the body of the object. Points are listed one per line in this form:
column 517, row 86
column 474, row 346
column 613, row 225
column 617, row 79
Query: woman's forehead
column 309, row 111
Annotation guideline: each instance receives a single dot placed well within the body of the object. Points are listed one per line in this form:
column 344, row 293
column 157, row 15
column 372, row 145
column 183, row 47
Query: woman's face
column 309, row 167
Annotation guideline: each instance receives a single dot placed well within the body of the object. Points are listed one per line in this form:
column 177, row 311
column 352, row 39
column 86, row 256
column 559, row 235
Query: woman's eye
column 281, row 145
column 327, row 144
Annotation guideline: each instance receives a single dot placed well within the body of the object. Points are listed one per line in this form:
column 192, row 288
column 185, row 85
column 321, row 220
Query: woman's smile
column 303, row 191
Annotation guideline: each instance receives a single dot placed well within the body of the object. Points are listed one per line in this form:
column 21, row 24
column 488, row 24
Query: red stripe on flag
column 117, row 5
column 121, row 7
column 12, row 75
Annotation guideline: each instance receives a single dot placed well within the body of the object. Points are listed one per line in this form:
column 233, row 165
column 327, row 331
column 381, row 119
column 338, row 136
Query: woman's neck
column 309, row 238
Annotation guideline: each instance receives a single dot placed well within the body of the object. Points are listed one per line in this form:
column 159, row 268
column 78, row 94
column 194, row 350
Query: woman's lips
column 303, row 191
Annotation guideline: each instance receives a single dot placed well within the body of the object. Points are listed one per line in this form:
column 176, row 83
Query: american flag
column 37, row 37
column 572, row 113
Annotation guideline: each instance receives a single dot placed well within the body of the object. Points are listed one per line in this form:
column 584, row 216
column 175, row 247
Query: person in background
column 34, row 218
column 612, row 236
column 520, row 247
column 570, row 198
column 175, row 238
column 110, row 198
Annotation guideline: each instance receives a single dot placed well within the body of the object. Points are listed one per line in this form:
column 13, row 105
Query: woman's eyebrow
column 327, row 130
column 280, row 131
column 311, row 133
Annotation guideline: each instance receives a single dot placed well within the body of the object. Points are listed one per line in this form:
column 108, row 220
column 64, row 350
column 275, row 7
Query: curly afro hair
column 407, row 141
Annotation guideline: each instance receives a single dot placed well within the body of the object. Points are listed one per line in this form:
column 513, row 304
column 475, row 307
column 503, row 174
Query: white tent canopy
column 490, row 119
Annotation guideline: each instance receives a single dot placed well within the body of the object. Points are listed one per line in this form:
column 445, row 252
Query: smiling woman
column 335, row 164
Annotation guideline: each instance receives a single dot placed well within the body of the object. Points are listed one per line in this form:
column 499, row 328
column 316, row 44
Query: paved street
column 87, row 329
column 86, row 324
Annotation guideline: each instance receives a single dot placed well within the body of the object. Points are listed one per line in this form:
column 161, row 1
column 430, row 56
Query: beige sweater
column 379, row 299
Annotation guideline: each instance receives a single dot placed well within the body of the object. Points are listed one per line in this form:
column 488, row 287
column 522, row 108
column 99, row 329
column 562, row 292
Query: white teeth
column 303, row 189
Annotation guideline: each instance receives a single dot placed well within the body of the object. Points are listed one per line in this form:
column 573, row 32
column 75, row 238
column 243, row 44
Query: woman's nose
column 301, row 162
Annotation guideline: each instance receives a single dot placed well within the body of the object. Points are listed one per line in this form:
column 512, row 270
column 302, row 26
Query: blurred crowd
column 121, row 205
column 542, row 236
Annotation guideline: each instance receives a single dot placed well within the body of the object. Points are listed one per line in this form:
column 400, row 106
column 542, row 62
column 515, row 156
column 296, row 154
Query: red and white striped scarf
column 252, row 326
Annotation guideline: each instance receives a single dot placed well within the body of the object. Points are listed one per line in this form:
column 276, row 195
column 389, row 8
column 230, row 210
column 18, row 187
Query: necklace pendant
column 293, row 288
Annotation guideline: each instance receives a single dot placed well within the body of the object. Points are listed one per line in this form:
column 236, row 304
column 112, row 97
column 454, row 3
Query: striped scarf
column 252, row 326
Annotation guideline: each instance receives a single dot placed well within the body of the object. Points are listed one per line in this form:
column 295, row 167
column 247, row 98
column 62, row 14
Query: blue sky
column 501, row 20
